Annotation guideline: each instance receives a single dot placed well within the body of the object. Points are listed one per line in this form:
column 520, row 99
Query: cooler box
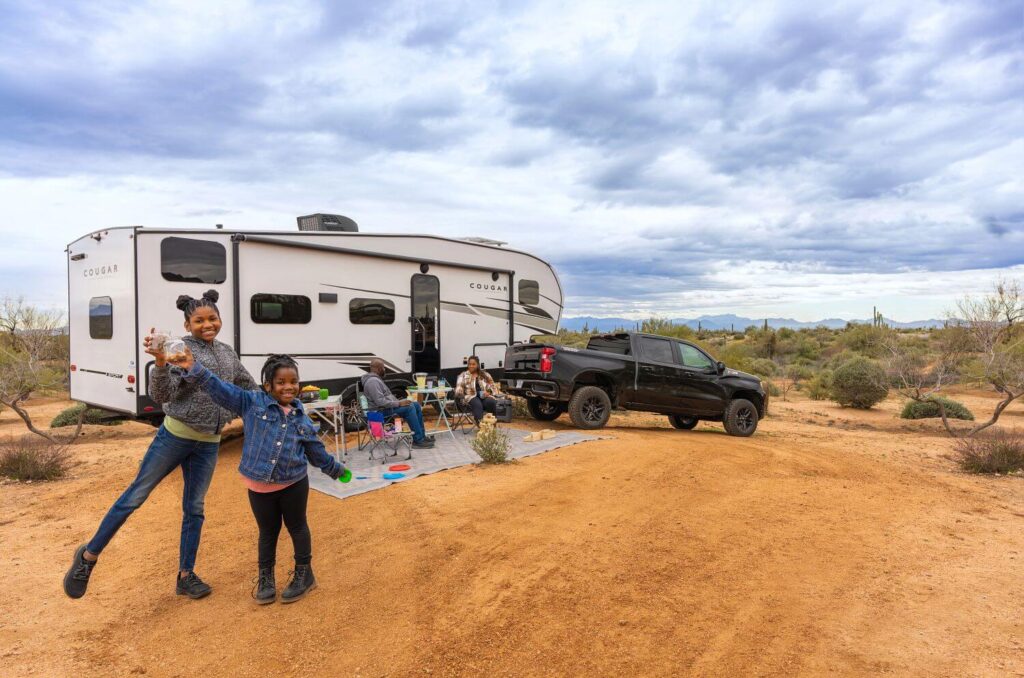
column 503, row 410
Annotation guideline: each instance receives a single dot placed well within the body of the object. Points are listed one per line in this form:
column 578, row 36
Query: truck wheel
column 590, row 407
column 682, row 422
column 544, row 410
column 740, row 418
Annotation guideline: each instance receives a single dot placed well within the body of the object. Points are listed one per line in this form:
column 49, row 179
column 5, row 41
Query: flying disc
column 393, row 476
column 399, row 467
column 345, row 476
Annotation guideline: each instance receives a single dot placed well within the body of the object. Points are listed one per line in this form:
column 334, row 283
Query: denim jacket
column 276, row 446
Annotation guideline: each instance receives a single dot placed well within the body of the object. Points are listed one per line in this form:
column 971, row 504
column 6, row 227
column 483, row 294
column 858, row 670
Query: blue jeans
column 166, row 453
column 413, row 414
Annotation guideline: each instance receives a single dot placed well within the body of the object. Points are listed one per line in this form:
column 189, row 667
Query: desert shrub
column 771, row 387
column 69, row 417
column 928, row 409
column 763, row 367
column 32, row 458
column 490, row 442
column 859, row 383
column 519, row 408
column 1000, row 452
column 820, row 386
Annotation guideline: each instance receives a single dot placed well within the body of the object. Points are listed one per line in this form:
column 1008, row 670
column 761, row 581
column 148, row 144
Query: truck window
column 529, row 292
column 371, row 312
column 657, row 350
column 280, row 309
column 101, row 318
column 618, row 345
column 692, row 357
column 191, row 260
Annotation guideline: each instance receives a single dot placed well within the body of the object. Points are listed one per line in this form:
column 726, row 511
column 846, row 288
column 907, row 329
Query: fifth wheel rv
column 334, row 299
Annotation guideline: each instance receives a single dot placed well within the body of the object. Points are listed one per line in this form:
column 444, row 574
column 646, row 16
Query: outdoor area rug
column 447, row 453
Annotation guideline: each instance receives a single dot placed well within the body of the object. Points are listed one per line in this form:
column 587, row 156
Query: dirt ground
column 833, row 542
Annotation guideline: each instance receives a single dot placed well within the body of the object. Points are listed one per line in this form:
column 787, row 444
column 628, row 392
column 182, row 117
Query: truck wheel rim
column 745, row 419
column 593, row 410
column 546, row 407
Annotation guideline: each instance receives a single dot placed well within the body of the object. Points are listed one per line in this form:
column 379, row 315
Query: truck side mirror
column 720, row 366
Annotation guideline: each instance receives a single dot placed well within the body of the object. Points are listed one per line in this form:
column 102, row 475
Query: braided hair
column 274, row 363
column 189, row 305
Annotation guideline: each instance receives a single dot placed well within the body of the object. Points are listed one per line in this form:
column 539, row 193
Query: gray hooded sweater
column 190, row 404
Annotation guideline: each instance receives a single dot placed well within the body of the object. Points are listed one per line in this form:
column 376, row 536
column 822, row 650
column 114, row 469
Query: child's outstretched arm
column 318, row 456
column 229, row 396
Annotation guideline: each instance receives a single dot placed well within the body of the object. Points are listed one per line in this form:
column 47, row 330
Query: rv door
column 101, row 320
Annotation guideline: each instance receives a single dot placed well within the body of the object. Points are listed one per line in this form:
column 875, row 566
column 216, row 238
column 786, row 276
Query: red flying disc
column 399, row 467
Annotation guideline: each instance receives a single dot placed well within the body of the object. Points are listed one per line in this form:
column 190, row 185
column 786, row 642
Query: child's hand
column 156, row 351
column 183, row 360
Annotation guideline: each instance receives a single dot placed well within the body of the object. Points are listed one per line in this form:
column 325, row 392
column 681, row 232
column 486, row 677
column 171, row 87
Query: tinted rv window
column 101, row 318
column 188, row 260
column 529, row 292
column 280, row 309
column 371, row 311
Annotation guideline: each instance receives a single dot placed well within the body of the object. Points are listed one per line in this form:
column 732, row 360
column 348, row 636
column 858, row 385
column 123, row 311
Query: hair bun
column 183, row 302
column 212, row 295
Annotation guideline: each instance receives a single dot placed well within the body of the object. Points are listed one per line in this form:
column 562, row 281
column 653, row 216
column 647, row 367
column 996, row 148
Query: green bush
column 32, row 458
column 769, row 386
column 491, row 443
column 929, row 409
column 1000, row 452
column 69, row 417
column 762, row 367
column 820, row 386
column 859, row 383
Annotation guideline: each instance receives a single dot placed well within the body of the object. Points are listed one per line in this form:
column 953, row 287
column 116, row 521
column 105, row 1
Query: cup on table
column 324, row 394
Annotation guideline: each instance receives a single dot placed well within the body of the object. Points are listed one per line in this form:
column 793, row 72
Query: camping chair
column 379, row 431
column 462, row 419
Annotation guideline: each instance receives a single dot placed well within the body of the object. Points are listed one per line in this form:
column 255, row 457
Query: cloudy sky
column 802, row 159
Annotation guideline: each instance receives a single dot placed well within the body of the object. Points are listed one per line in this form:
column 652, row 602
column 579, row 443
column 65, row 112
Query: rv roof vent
column 327, row 222
column 485, row 241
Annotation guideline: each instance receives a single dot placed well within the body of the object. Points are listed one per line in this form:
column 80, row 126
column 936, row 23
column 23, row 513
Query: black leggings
column 477, row 406
column 288, row 504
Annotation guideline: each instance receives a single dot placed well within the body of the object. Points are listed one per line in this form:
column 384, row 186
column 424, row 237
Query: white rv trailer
column 333, row 300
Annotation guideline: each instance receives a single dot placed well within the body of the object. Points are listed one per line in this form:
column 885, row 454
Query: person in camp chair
column 380, row 397
column 475, row 389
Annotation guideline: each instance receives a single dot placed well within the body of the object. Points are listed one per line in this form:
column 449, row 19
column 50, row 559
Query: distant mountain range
column 729, row 321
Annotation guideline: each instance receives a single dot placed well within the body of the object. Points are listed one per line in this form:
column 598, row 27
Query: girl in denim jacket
column 279, row 439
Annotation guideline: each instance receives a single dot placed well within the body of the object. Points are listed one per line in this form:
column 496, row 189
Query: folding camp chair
column 462, row 419
column 379, row 431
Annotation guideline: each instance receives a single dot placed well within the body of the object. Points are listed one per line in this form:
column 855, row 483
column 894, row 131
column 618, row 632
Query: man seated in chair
column 380, row 397
column 475, row 389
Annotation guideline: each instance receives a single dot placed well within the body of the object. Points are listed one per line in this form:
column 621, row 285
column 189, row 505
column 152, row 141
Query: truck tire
column 544, row 410
column 740, row 418
column 682, row 422
column 590, row 407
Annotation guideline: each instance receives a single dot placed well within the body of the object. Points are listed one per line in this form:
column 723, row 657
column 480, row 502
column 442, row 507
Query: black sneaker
column 424, row 444
column 192, row 586
column 302, row 583
column 77, row 578
column 265, row 591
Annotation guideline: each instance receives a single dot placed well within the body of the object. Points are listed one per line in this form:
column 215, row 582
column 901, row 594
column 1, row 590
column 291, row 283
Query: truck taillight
column 546, row 354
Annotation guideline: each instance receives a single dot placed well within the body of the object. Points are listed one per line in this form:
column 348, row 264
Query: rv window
column 101, row 318
column 280, row 309
column 189, row 260
column 529, row 292
column 371, row 311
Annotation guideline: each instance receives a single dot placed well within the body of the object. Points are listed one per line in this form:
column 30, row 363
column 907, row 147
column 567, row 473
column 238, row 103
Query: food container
column 174, row 350
column 158, row 339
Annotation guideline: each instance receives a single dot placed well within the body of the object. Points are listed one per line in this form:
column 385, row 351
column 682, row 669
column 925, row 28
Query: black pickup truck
column 633, row 371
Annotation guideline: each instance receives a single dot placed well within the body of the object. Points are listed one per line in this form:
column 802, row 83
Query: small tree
column 792, row 376
column 984, row 340
column 33, row 359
